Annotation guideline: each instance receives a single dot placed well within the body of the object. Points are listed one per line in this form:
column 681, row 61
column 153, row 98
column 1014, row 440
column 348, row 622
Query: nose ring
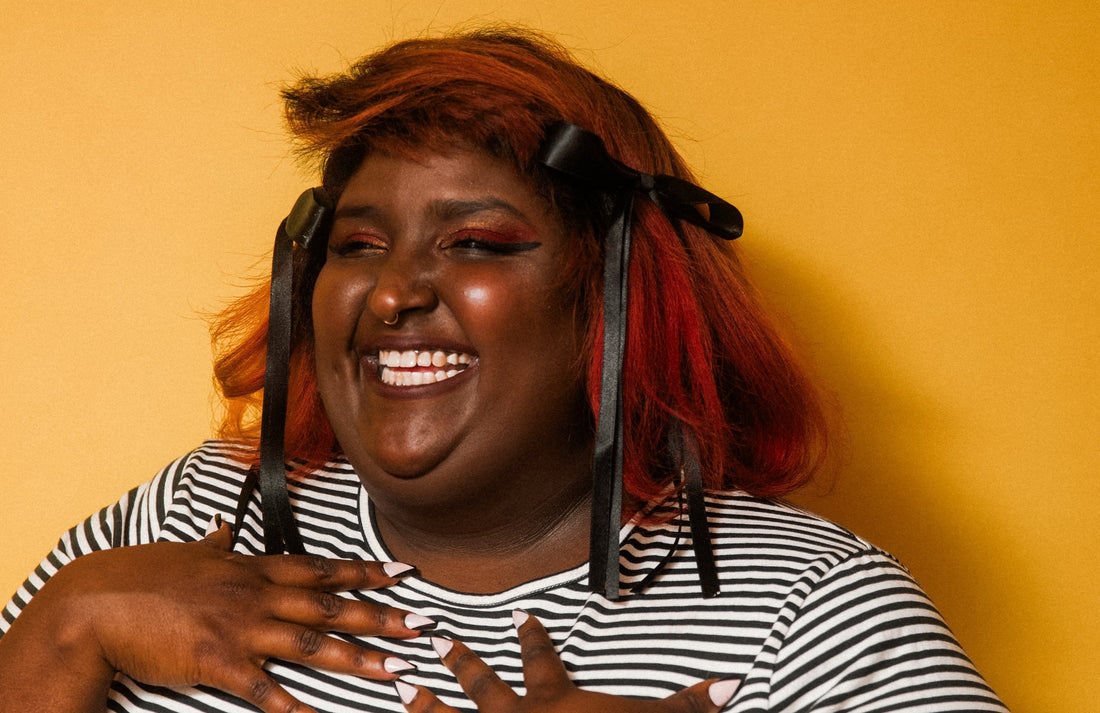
column 392, row 320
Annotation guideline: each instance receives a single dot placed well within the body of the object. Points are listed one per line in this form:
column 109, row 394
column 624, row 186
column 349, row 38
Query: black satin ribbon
column 582, row 156
column 307, row 226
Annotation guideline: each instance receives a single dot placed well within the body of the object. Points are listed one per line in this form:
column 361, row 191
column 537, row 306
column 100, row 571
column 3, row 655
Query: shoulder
column 219, row 478
column 849, row 624
column 798, row 551
column 769, row 554
column 743, row 525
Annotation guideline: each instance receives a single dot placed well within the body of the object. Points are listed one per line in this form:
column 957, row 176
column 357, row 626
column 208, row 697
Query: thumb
column 709, row 695
column 219, row 534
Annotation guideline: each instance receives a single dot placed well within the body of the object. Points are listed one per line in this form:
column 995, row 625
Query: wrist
column 50, row 659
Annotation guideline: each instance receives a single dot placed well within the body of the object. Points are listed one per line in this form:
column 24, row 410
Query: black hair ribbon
column 307, row 226
column 581, row 155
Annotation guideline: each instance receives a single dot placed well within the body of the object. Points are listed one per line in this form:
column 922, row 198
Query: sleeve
column 864, row 637
column 137, row 518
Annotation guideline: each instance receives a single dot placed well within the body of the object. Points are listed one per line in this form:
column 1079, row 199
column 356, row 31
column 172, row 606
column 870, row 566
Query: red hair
column 700, row 348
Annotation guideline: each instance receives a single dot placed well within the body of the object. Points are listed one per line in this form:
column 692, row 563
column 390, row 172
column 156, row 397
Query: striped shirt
column 810, row 617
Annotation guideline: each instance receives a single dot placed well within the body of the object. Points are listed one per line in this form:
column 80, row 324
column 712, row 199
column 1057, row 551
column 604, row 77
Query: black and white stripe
column 810, row 618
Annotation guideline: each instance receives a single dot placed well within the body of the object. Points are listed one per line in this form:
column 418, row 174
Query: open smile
column 414, row 367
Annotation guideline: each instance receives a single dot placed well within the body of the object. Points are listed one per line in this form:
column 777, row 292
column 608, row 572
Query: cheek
column 337, row 303
column 477, row 296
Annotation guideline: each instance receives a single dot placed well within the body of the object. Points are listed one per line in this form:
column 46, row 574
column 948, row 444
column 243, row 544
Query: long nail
column 396, row 665
column 418, row 622
column 519, row 617
column 442, row 646
column 398, row 569
column 721, row 692
column 405, row 691
column 214, row 525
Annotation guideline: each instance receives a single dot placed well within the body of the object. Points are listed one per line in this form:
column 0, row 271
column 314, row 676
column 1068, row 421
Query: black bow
column 581, row 155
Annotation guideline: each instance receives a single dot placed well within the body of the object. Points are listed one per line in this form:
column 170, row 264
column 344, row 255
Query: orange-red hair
column 700, row 347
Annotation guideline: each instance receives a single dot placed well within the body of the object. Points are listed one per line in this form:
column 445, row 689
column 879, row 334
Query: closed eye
column 355, row 244
column 477, row 242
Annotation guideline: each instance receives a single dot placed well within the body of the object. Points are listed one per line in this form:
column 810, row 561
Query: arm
column 110, row 599
column 866, row 637
column 193, row 613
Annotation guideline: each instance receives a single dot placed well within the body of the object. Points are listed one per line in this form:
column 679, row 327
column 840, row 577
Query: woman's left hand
column 549, row 689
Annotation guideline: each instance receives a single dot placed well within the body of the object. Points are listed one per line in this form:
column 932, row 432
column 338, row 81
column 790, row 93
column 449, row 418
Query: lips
column 416, row 367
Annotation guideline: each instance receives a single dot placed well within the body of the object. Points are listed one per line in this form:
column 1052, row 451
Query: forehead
column 458, row 175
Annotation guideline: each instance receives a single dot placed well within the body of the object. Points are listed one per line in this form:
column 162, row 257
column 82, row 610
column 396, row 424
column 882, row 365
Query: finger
column 543, row 671
column 418, row 699
column 219, row 534
column 711, row 696
column 332, row 575
column 480, row 683
column 317, row 650
column 259, row 689
column 325, row 611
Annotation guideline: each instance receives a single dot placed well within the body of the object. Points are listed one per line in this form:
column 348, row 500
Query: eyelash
column 461, row 241
column 354, row 243
column 472, row 241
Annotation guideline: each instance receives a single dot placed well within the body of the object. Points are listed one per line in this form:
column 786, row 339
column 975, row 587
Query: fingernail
column 442, row 646
column 519, row 617
column 214, row 525
column 397, row 569
column 396, row 665
column 405, row 691
column 722, row 692
column 418, row 622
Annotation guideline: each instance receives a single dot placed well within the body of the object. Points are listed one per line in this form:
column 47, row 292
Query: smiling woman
column 533, row 405
column 472, row 263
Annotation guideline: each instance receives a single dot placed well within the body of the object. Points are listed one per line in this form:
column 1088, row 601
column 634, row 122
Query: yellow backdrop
column 920, row 183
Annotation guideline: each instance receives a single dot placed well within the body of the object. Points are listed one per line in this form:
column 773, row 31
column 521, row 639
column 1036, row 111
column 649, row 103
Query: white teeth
column 390, row 361
column 415, row 378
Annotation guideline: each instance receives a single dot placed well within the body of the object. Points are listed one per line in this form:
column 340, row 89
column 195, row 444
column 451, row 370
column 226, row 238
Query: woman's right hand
column 180, row 614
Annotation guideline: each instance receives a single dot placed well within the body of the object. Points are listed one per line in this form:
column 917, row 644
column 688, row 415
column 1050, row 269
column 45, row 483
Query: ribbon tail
column 279, row 527
column 697, row 515
column 607, row 471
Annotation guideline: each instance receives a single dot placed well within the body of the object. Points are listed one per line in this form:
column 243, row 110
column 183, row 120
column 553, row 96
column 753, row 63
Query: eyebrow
column 453, row 208
column 443, row 209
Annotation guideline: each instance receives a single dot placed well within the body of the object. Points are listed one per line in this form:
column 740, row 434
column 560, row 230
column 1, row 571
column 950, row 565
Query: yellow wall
column 920, row 182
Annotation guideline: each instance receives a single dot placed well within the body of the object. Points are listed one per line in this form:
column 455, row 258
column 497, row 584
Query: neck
column 487, row 546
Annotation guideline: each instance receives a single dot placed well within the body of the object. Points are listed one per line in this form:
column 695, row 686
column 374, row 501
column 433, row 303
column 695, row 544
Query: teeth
column 415, row 378
column 390, row 361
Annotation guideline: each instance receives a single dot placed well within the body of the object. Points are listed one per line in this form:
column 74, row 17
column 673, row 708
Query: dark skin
column 180, row 614
column 482, row 478
column 477, row 462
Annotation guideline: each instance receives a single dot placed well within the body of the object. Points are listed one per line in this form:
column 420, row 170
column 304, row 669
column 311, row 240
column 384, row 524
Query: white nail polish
column 519, row 617
column 418, row 622
column 442, row 646
column 396, row 665
column 721, row 692
column 405, row 691
column 396, row 569
column 214, row 525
